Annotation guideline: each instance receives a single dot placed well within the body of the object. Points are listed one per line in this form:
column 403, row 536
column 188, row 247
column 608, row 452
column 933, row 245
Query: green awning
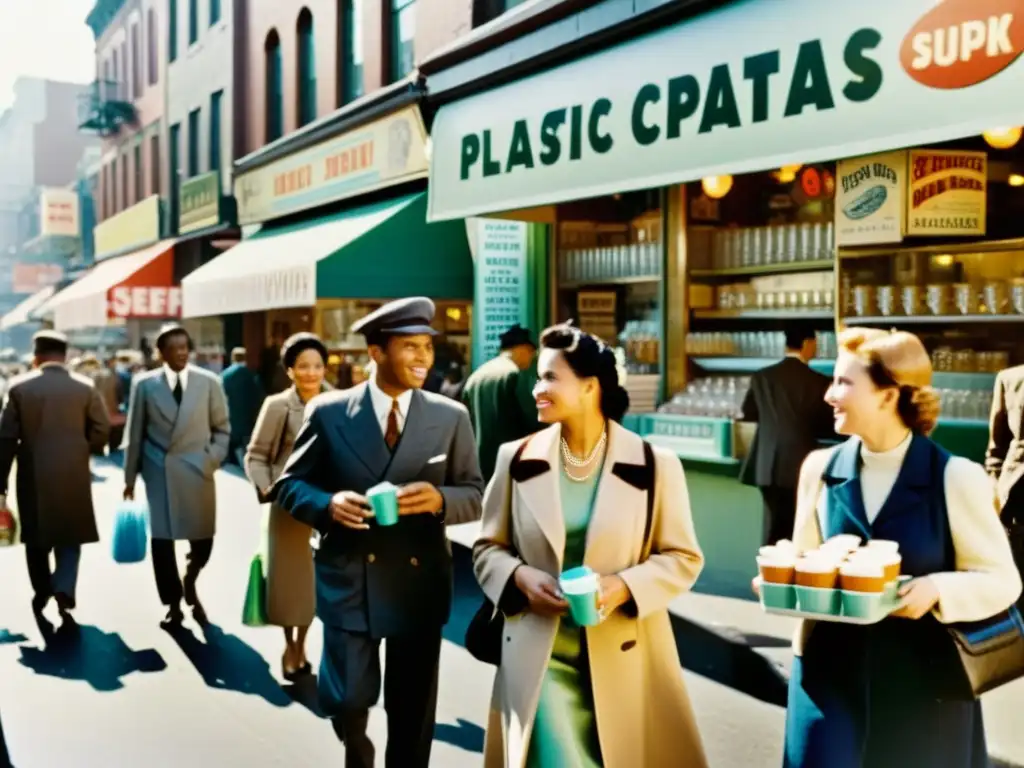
column 382, row 251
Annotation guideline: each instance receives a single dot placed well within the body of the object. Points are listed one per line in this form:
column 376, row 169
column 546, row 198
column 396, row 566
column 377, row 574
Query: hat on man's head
column 170, row 329
column 516, row 336
column 48, row 342
column 404, row 317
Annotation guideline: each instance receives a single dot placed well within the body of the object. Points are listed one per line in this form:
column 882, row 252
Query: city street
column 129, row 694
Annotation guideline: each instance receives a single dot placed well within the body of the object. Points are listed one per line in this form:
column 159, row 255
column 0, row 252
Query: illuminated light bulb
column 787, row 173
column 716, row 187
column 1016, row 180
column 1003, row 138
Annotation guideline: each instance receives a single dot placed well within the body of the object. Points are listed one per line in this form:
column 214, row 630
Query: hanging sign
column 947, row 193
column 870, row 199
column 499, row 300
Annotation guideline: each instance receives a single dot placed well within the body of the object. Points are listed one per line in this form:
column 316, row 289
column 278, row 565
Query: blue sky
column 44, row 38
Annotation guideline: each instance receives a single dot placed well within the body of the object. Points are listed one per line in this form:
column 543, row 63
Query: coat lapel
column 845, row 511
column 162, row 396
column 194, row 392
column 536, row 478
column 362, row 433
column 416, row 443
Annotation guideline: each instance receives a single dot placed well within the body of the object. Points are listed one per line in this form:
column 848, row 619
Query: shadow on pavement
column 5, row 758
column 464, row 734
column 228, row 663
column 89, row 654
column 9, row 638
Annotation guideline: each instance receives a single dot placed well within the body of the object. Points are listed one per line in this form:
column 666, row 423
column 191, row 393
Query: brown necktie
column 391, row 433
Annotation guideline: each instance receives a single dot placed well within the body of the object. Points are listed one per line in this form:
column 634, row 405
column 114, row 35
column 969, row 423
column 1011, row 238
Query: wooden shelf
column 577, row 284
column 954, row 249
column 767, row 269
column 931, row 319
column 764, row 314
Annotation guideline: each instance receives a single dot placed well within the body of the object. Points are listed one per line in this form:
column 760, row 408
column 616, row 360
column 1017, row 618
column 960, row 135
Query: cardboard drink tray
column 884, row 609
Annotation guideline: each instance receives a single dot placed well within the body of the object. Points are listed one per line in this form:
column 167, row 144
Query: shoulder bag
column 487, row 627
column 991, row 651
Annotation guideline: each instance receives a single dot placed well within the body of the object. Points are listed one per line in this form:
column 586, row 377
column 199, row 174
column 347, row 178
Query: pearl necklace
column 570, row 460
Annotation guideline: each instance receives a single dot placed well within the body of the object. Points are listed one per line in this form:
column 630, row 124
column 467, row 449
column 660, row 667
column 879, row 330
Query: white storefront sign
column 871, row 199
column 145, row 301
column 752, row 86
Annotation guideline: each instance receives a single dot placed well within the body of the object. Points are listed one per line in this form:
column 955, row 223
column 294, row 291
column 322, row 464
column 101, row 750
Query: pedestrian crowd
column 586, row 535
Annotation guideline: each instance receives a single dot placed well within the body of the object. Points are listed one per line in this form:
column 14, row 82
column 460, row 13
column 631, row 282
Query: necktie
column 391, row 433
column 177, row 390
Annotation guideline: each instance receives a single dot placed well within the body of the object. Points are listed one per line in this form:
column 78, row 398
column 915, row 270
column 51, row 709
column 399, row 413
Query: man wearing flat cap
column 374, row 582
column 499, row 395
column 177, row 436
column 52, row 421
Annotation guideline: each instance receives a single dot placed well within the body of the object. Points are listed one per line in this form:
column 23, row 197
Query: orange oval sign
column 961, row 43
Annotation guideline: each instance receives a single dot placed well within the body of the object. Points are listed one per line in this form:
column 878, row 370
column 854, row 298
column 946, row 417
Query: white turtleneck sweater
column 986, row 580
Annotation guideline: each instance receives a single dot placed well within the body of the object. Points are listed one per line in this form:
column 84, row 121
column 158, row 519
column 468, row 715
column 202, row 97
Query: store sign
column 199, row 203
column 382, row 153
column 31, row 278
column 947, row 193
column 499, row 299
column 870, row 199
column 250, row 291
column 58, row 213
column 144, row 301
column 133, row 228
column 725, row 94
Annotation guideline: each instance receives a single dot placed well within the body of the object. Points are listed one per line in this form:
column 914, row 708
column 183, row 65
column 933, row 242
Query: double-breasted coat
column 291, row 596
column 644, row 716
column 52, row 421
column 177, row 450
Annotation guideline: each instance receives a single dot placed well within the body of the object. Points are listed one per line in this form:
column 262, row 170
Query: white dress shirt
column 382, row 406
column 174, row 376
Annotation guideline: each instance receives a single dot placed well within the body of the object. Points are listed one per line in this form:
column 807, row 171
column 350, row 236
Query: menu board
column 871, row 199
column 500, row 292
column 947, row 193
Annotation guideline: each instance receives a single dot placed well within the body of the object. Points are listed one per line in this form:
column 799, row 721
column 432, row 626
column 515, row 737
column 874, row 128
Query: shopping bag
column 130, row 532
column 254, row 612
column 8, row 528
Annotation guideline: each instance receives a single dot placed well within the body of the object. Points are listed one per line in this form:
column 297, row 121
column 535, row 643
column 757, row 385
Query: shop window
column 172, row 30
column 193, row 21
column 214, row 12
column 151, row 45
column 402, row 43
column 193, row 143
column 215, row 138
column 350, row 50
column 274, row 118
column 306, row 89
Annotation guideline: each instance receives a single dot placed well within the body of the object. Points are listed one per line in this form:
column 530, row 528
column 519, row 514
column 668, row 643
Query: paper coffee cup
column 890, row 561
column 844, row 542
column 817, row 572
column 383, row 500
column 883, row 545
column 580, row 587
column 777, row 568
column 862, row 575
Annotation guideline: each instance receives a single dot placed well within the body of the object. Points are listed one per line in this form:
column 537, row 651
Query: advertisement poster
column 58, row 209
column 947, row 193
column 30, row 278
column 871, row 199
column 500, row 292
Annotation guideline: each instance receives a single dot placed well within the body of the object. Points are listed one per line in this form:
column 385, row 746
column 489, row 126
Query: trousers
column 165, row 567
column 63, row 580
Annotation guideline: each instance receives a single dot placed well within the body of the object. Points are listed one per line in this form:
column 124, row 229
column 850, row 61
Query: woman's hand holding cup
column 542, row 590
column 612, row 595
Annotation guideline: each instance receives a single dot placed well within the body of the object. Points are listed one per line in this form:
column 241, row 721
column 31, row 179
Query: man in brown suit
column 52, row 421
column 1004, row 458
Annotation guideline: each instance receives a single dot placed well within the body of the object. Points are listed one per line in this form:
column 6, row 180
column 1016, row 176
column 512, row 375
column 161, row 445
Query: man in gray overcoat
column 177, row 437
column 52, row 421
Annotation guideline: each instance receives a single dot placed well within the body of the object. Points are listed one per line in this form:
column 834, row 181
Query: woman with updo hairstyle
column 587, row 492
column 291, row 583
column 893, row 694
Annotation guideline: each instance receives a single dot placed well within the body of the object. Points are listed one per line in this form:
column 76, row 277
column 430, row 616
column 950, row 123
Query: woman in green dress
column 586, row 492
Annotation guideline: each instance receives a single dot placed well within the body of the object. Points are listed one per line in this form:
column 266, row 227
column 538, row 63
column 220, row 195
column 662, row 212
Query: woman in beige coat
column 577, row 494
column 291, row 590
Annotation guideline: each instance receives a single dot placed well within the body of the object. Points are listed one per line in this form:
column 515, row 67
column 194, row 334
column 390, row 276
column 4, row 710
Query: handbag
column 991, row 651
column 8, row 528
column 131, row 534
column 254, row 610
column 487, row 627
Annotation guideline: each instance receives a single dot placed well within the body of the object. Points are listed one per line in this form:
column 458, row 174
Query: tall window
column 136, row 63
column 154, row 163
column 272, row 87
column 126, row 93
column 151, row 45
column 306, row 69
column 137, row 159
column 193, row 21
column 214, row 12
column 350, row 50
column 124, row 181
column 403, row 38
column 174, row 169
column 108, row 191
column 193, row 143
column 215, row 101
column 116, row 92
column 172, row 30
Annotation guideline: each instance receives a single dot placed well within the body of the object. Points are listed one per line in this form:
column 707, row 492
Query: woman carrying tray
column 892, row 694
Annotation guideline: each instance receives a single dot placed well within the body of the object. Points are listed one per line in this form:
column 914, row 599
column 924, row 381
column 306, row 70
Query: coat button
column 414, row 561
column 371, row 557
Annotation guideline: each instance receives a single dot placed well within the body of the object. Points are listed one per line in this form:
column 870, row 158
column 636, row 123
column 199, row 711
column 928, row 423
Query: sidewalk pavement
column 733, row 642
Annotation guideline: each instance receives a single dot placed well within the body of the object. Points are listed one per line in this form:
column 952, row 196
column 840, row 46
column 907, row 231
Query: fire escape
column 104, row 108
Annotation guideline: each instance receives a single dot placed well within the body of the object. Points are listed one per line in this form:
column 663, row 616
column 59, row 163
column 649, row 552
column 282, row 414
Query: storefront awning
column 381, row 251
column 138, row 284
column 22, row 313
